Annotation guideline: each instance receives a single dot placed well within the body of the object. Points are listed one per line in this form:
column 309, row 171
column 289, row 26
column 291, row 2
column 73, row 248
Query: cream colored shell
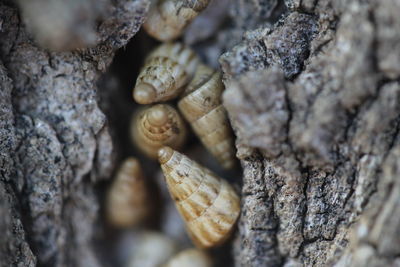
column 156, row 126
column 167, row 19
column 127, row 200
column 208, row 204
column 202, row 107
column 190, row 258
column 151, row 249
column 165, row 73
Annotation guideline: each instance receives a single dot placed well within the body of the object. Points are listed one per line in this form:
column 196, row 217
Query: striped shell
column 127, row 200
column 165, row 73
column 167, row 19
column 190, row 257
column 208, row 204
column 156, row 126
column 202, row 107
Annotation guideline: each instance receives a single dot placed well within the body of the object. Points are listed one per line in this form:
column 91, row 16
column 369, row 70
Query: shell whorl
column 168, row 18
column 207, row 203
column 127, row 200
column 156, row 126
column 202, row 107
column 165, row 72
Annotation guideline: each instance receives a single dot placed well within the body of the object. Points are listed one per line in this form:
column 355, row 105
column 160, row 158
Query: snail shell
column 156, row 126
column 165, row 73
column 202, row 107
column 127, row 201
column 190, row 257
column 168, row 18
column 151, row 249
column 208, row 204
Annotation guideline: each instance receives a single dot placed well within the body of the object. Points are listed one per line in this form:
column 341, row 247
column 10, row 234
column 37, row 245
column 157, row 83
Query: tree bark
column 312, row 92
column 315, row 103
column 55, row 144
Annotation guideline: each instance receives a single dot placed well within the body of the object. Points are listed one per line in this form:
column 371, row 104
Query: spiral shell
column 156, row 126
column 165, row 73
column 202, row 107
column 127, row 200
column 190, row 257
column 168, row 18
column 208, row 204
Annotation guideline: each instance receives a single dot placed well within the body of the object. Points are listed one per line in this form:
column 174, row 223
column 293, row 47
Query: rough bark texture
column 315, row 103
column 55, row 144
column 313, row 95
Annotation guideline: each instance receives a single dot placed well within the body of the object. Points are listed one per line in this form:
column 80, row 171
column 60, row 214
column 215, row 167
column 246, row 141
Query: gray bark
column 55, row 144
column 315, row 103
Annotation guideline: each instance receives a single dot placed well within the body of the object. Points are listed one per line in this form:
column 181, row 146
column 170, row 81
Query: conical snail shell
column 127, row 201
column 165, row 73
column 168, row 18
column 202, row 107
column 190, row 257
column 156, row 126
column 208, row 204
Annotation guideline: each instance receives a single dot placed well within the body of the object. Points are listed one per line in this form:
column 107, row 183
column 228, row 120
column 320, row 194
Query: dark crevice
column 306, row 176
column 352, row 190
column 395, row 137
column 288, row 141
column 23, row 206
column 275, row 230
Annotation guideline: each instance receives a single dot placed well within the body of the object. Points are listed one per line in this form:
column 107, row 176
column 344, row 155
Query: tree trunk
column 315, row 104
column 312, row 92
column 55, row 144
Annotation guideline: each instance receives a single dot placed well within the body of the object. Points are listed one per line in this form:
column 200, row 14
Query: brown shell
column 208, row 204
column 165, row 73
column 156, row 126
column 202, row 107
column 190, row 257
column 127, row 200
column 167, row 19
